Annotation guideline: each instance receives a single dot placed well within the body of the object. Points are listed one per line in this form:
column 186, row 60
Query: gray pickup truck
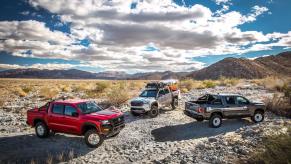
column 152, row 99
column 215, row 107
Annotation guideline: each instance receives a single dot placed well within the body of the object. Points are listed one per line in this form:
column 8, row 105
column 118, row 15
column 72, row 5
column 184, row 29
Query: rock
column 212, row 139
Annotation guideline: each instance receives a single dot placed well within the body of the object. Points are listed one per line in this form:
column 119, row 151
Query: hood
column 105, row 114
column 143, row 99
column 258, row 103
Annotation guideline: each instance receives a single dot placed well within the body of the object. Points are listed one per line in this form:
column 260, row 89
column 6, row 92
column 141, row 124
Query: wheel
column 93, row 139
column 41, row 130
column 215, row 121
column 154, row 111
column 175, row 103
column 199, row 119
column 258, row 117
column 134, row 114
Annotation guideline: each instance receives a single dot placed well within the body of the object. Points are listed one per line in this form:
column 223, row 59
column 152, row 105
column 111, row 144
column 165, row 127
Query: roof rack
column 161, row 84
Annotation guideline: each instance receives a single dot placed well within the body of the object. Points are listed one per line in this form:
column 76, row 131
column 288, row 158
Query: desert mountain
column 245, row 68
column 229, row 67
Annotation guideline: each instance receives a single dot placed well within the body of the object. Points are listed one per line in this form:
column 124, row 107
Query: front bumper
column 109, row 130
column 140, row 109
column 193, row 114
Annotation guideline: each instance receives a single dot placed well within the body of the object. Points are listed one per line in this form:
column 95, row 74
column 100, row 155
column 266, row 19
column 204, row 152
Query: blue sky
column 139, row 36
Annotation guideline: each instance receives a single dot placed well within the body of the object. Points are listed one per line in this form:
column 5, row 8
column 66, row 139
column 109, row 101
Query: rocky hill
column 245, row 68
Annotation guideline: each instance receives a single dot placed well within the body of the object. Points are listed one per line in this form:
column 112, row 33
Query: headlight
column 146, row 102
column 104, row 122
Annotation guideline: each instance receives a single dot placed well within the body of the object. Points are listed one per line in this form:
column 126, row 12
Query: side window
column 216, row 102
column 242, row 101
column 58, row 109
column 162, row 92
column 230, row 100
column 166, row 91
column 69, row 110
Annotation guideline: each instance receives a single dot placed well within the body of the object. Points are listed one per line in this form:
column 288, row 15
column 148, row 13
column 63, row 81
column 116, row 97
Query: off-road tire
column 175, row 103
column 154, row 112
column 215, row 121
column 258, row 117
column 41, row 130
column 93, row 132
column 134, row 114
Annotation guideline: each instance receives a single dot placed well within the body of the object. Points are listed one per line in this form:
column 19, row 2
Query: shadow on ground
column 194, row 130
column 130, row 118
column 27, row 148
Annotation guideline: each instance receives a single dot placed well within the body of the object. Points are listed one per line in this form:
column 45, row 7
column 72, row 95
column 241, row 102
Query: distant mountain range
column 229, row 67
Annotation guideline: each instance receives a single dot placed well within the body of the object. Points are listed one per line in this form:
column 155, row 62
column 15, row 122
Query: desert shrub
column 209, row 84
column 223, row 81
column 2, row 102
column 65, row 88
column 98, row 90
column 277, row 149
column 48, row 93
column 27, row 89
column 190, row 84
column 101, row 86
column 136, row 85
column 184, row 90
column 117, row 95
column 19, row 92
column 271, row 83
column 279, row 105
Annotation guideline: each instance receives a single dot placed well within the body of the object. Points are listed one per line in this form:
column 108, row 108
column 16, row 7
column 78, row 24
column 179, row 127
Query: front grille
column 136, row 108
column 117, row 121
column 136, row 103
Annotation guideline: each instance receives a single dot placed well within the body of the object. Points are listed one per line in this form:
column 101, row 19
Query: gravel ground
column 172, row 137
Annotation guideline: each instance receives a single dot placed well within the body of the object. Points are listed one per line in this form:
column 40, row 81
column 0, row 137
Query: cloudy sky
column 139, row 35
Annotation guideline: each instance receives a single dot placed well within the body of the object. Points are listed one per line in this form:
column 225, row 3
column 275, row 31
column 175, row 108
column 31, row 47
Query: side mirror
column 75, row 114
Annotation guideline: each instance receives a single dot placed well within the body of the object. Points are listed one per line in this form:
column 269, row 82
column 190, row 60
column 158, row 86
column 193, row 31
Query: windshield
column 89, row 107
column 149, row 93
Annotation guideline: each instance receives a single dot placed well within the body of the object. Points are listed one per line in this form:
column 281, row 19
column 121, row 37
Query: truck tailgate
column 192, row 106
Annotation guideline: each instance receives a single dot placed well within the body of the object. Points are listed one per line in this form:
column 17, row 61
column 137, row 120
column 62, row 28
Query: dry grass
column 223, row 81
column 19, row 92
column 48, row 92
column 273, row 83
column 279, row 105
column 49, row 159
column 118, row 94
column 277, row 149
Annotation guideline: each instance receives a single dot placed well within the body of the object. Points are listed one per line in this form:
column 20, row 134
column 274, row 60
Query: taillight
column 200, row 110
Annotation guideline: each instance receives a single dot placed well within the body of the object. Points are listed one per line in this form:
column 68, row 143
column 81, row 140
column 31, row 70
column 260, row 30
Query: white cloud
column 119, row 34
column 222, row 1
column 49, row 66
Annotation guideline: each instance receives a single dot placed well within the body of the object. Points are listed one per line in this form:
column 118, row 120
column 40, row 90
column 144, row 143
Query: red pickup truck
column 79, row 117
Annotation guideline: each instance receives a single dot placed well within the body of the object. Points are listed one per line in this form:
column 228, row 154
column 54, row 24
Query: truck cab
column 78, row 117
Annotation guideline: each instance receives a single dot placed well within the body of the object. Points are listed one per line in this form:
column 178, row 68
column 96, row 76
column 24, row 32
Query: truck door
column 162, row 98
column 71, row 119
column 56, row 117
column 243, row 105
column 168, row 96
column 230, row 108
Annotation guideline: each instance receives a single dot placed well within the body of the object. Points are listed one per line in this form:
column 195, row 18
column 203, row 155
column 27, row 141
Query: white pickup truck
column 154, row 97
